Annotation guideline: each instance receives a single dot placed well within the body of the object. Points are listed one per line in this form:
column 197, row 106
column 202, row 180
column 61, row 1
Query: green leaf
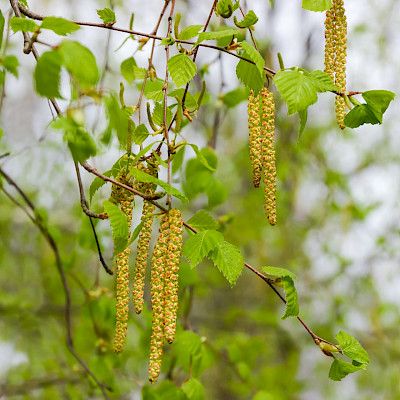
column 135, row 233
column 352, row 348
column 317, row 5
column 96, row 184
column 143, row 177
column 119, row 226
column 158, row 114
column 107, row 16
column 153, row 90
column 80, row 62
column 127, row 69
column 58, row 25
column 190, row 32
column 234, row 97
column 225, row 8
column 193, row 389
column 252, row 53
column 182, row 69
column 80, row 143
column 378, row 101
column 225, row 33
column 321, row 80
column 299, row 88
column 200, row 245
column 229, row 260
column 141, row 133
column 250, row 75
column 23, row 24
column 340, row 369
column 117, row 118
column 11, row 64
column 360, row 115
column 249, row 19
column 286, row 279
column 201, row 157
column 48, row 74
column 203, row 220
column 2, row 23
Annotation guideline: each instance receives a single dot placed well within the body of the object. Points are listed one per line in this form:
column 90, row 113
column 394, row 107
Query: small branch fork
column 18, row 9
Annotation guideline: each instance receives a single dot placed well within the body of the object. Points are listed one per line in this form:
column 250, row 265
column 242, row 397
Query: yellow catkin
column 125, row 200
column 157, row 299
column 143, row 242
column 255, row 137
column 172, row 272
column 335, row 54
column 269, row 166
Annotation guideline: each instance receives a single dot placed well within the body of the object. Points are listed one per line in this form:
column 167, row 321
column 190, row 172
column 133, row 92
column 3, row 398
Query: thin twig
column 40, row 224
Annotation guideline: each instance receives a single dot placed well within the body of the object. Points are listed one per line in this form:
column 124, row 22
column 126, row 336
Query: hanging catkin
column 157, row 299
column 125, row 199
column 335, row 54
column 143, row 241
column 171, row 273
column 269, row 166
column 255, row 137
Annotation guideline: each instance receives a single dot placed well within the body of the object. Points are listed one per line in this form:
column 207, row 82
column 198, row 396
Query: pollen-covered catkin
column 125, row 199
column 269, row 166
column 143, row 242
column 157, row 299
column 335, row 54
column 172, row 272
column 255, row 137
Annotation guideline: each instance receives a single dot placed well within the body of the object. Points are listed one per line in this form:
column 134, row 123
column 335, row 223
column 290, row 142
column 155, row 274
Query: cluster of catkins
column 261, row 121
column 335, row 54
column 164, row 269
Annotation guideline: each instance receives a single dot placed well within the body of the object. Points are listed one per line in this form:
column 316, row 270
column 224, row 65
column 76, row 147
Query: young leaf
column 153, row 90
column 117, row 118
column 190, row 32
column 58, row 25
column 80, row 143
column 229, row 260
column 321, row 80
column 200, row 244
column 96, row 184
column 2, row 23
column 119, row 226
column 351, row 348
column 182, row 69
column 378, row 101
column 47, row 74
column 360, row 115
column 226, row 33
column 234, row 97
column 193, row 389
column 250, row 75
column 127, row 69
column 252, row 53
column 23, row 24
column 141, row 133
column 203, row 220
column 340, row 369
column 224, row 8
column 80, row 62
column 285, row 279
column 11, row 64
column 249, row 19
column 296, row 89
column 317, row 5
column 143, row 177
column 107, row 16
